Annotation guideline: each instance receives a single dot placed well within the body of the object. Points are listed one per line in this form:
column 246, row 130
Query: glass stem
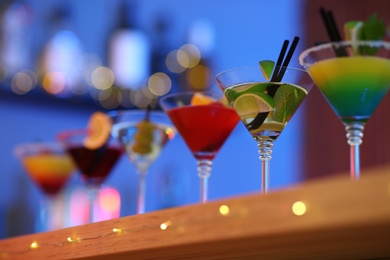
column 50, row 213
column 66, row 208
column 265, row 146
column 355, row 139
column 92, row 194
column 141, row 192
column 44, row 222
column 204, row 172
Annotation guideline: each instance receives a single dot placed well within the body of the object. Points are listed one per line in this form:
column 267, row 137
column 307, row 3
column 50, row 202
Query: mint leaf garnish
column 231, row 94
column 373, row 29
column 287, row 100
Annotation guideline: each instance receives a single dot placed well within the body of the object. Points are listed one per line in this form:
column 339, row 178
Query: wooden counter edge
column 329, row 218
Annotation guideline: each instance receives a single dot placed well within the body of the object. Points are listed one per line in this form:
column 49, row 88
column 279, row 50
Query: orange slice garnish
column 99, row 129
column 199, row 99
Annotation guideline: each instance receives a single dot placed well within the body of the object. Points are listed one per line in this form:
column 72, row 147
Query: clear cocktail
column 143, row 136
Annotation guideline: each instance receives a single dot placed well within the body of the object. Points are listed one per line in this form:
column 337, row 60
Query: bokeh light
column 159, row 84
column 102, row 78
column 165, row 225
column 109, row 98
column 23, row 82
column 109, row 200
column 54, row 82
column 299, row 208
column 188, row 56
column 142, row 97
column 224, row 210
column 199, row 77
column 147, row 93
column 172, row 62
column 34, row 245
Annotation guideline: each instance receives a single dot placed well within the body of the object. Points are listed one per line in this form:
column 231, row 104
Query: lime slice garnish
column 273, row 125
column 233, row 93
column 353, row 31
column 249, row 105
column 370, row 30
column 267, row 67
column 259, row 88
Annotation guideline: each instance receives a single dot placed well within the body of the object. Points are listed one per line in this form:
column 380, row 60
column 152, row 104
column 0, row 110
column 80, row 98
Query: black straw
column 331, row 28
column 288, row 58
column 279, row 61
column 148, row 110
column 280, row 67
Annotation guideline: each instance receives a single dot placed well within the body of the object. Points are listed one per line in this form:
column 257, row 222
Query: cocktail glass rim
column 255, row 67
column 189, row 92
column 340, row 44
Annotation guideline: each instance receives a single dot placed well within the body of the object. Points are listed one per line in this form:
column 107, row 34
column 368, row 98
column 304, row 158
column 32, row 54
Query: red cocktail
column 204, row 128
column 93, row 163
column 204, row 122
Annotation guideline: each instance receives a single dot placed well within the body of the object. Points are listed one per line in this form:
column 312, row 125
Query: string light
column 34, row 245
column 174, row 226
column 299, row 208
column 71, row 240
column 165, row 225
column 116, row 230
column 224, row 210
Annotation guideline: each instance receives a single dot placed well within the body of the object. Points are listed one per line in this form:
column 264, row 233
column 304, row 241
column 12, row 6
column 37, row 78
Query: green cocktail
column 264, row 107
column 353, row 84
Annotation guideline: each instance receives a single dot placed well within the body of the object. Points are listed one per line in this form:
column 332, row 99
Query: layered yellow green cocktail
column 353, row 85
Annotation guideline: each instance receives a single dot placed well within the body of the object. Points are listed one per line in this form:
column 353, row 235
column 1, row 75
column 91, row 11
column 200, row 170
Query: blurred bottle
column 128, row 50
column 198, row 52
column 163, row 55
column 15, row 52
column 60, row 66
column 160, row 44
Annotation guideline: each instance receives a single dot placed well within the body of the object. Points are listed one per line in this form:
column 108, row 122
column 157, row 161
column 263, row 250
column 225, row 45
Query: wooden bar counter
column 328, row 218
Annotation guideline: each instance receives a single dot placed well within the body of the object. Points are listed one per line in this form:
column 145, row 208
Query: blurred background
column 60, row 61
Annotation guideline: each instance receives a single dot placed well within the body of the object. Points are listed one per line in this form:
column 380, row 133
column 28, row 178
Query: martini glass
column 143, row 135
column 353, row 84
column 264, row 107
column 50, row 167
column 94, row 165
column 204, row 126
